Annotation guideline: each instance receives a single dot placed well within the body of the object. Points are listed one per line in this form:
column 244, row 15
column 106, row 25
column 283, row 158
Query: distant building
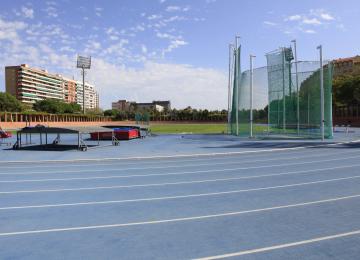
column 69, row 90
column 345, row 66
column 29, row 84
column 124, row 105
column 91, row 96
column 165, row 104
column 149, row 106
column 121, row 105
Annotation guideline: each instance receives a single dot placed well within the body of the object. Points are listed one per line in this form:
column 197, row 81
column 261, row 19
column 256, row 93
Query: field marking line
column 187, row 172
column 170, row 174
column 182, row 161
column 174, row 220
column 184, row 155
column 212, row 194
column 178, row 161
column 178, row 183
column 281, row 246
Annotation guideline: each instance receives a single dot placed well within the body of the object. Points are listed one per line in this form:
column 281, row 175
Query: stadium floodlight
column 83, row 63
column 288, row 54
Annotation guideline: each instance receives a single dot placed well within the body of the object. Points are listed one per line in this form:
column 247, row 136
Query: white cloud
column 51, row 11
column 9, row 30
column 295, row 17
column 175, row 8
column 143, row 48
column 307, row 21
column 174, row 18
column 322, row 14
column 270, row 23
column 310, row 31
column 183, row 84
column 67, row 49
column 113, row 37
column 27, row 12
column 98, row 11
column 313, row 21
column 165, row 35
column 154, row 17
column 174, row 44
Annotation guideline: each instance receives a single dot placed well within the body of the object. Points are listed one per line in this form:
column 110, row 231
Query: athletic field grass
column 188, row 128
column 208, row 128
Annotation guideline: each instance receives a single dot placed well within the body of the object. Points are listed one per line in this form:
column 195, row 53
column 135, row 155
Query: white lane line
column 179, row 166
column 184, row 155
column 228, row 158
column 281, row 246
column 164, row 174
column 212, row 194
column 125, row 176
column 226, row 214
column 178, row 183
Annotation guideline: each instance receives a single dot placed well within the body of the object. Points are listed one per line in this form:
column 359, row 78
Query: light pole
column 321, row 93
column 297, row 88
column 237, row 69
column 251, row 94
column 83, row 63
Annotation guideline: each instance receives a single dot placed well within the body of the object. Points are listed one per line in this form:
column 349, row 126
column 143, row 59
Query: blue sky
column 167, row 49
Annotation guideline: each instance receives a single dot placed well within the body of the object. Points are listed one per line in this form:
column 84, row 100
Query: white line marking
column 177, row 197
column 180, row 166
column 226, row 214
column 181, row 161
column 162, row 174
column 281, row 246
column 177, row 183
column 184, row 155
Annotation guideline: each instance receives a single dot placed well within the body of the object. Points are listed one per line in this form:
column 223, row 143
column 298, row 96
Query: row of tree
column 187, row 114
column 346, row 90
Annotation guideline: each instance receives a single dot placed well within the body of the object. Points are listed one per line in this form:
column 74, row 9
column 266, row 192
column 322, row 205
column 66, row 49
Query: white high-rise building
column 91, row 96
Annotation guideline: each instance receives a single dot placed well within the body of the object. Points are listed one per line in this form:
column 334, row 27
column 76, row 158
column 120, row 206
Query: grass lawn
column 188, row 128
column 207, row 128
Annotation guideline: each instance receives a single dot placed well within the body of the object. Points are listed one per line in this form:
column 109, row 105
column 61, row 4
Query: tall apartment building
column 69, row 90
column 30, row 84
column 91, row 96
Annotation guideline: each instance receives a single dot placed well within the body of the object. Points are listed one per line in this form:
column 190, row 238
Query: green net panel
column 285, row 103
column 142, row 118
column 294, row 102
column 235, row 79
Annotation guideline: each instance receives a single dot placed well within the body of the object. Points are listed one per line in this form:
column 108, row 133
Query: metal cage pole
column 284, row 96
column 229, row 88
column 297, row 89
column 251, row 94
column 237, row 61
column 321, row 93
